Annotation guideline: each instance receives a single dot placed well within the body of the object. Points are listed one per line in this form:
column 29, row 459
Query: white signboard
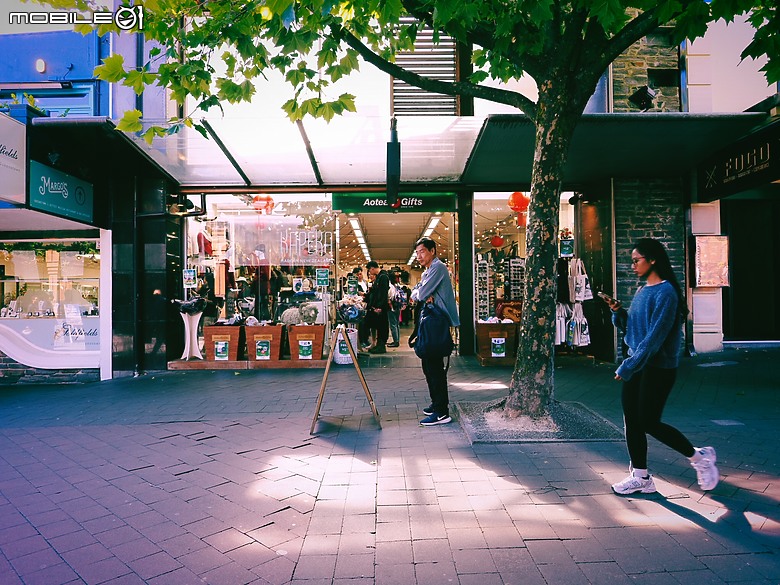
column 13, row 158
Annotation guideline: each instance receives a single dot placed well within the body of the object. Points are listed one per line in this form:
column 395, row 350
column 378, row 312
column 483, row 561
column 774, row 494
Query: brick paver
column 191, row 477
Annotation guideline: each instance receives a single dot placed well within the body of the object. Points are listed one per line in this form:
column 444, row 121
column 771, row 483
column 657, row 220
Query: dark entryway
column 750, row 304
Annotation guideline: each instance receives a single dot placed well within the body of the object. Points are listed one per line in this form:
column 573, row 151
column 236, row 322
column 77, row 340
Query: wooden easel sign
column 342, row 331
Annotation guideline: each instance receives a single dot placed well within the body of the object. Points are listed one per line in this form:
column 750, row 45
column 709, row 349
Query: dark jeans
column 644, row 398
column 436, row 376
column 378, row 321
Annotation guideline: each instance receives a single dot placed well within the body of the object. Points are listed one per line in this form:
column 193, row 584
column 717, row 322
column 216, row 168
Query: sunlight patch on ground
column 480, row 385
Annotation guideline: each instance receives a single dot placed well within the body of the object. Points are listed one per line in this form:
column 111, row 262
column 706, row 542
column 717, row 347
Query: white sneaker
column 633, row 484
column 706, row 472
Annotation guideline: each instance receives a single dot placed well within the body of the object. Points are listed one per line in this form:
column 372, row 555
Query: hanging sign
column 57, row 192
column 13, row 157
column 323, row 277
column 743, row 165
column 407, row 202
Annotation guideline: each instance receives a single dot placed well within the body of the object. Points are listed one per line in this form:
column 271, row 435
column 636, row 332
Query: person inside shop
column 652, row 331
column 244, row 296
column 377, row 306
column 364, row 334
column 357, row 272
column 211, row 312
column 261, row 287
column 394, row 311
column 435, row 287
column 277, row 283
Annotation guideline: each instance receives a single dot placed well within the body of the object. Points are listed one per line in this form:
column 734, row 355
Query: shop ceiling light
column 355, row 223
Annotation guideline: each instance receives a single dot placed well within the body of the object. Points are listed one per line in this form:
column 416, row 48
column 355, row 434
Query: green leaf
column 347, row 100
column 152, row 132
column 130, row 121
column 610, row 13
column 209, row 103
column 112, row 69
column 138, row 80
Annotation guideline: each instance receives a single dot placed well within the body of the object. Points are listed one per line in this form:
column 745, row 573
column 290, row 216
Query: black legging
column 644, row 398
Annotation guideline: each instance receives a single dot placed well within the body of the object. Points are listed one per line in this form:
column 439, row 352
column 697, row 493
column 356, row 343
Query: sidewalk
column 213, row 477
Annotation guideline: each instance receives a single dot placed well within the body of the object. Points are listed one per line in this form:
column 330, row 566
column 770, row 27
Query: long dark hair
column 653, row 249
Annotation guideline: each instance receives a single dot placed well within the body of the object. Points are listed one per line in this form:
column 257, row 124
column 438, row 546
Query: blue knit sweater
column 652, row 329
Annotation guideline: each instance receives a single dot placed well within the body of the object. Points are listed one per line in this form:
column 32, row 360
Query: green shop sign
column 57, row 192
column 407, row 202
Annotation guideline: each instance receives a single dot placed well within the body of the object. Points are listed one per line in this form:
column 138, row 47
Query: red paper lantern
column 496, row 241
column 263, row 202
column 522, row 219
column 518, row 201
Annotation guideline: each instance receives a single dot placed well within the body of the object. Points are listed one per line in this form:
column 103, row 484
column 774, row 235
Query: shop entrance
column 388, row 238
column 749, row 304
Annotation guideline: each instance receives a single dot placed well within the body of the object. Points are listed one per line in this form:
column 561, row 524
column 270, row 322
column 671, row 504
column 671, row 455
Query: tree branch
column 503, row 96
column 645, row 23
column 482, row 34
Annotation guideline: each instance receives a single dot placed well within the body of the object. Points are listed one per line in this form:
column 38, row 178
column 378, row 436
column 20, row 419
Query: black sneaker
column 436, row 419
column 428, row 410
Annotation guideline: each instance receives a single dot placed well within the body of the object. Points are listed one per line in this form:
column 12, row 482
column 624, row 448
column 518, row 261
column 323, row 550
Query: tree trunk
column 531, row 388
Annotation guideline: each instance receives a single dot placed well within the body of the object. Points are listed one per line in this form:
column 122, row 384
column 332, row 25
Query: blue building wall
column 70, row 61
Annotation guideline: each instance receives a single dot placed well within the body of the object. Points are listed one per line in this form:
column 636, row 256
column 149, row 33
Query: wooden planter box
column 263, row 344
column 306, row 341
column 223, row 343
column 497, row 343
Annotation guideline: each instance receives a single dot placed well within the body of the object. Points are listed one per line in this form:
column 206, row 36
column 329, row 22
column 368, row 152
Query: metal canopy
column 606, row 145
column 437, row 152
column 348, row 151
column 492, row 155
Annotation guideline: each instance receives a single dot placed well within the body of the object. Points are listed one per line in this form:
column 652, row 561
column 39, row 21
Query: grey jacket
column 435, row 282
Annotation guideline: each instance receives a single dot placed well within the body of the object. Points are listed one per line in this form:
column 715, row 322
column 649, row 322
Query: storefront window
column 499, row 248
column 49, row 294
column 259, row 255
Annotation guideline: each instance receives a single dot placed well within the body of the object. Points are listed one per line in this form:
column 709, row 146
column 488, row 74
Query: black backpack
column 433, row 333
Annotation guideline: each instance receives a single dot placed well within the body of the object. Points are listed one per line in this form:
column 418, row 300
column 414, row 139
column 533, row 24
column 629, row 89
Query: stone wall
column 12, row 372
column 648, row 208
column 653, row 61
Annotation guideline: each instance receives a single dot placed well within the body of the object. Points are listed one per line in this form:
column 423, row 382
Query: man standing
column 378, row 305
column 435, row 287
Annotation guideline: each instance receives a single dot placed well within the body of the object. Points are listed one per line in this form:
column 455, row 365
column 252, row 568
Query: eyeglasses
column 636, row 260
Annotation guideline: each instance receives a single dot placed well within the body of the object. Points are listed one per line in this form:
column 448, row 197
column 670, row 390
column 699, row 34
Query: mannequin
column 204, row 242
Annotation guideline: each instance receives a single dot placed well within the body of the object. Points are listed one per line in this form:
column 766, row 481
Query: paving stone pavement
column 213, row 477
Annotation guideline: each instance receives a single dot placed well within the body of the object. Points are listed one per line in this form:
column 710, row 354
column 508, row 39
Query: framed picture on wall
column 711, row 261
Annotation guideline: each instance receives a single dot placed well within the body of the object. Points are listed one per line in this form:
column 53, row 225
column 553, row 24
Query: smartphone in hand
column 605, row 297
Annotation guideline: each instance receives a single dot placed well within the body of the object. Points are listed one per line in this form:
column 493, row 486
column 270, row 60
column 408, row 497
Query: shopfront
column 286, row 259
column 50, row 280
column 50, row 315
column 734, row 223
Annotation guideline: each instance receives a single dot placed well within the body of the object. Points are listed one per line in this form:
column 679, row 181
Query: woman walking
column 652, row 331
